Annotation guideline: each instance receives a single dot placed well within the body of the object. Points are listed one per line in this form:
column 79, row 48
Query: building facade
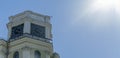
column 29, row 36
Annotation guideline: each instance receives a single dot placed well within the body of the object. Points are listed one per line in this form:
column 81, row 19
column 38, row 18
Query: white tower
column 29, row 36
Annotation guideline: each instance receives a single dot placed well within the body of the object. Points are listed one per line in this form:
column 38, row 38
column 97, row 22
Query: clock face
column 37, row 30
column 17, row 31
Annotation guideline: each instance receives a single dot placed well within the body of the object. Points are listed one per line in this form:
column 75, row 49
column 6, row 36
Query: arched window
column 37, row 54
column 16, row 55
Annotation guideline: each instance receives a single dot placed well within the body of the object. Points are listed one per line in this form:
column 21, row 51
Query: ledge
column 31, row 36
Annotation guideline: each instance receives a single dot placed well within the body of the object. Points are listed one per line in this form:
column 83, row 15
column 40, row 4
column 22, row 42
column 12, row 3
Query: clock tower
column 29, row 36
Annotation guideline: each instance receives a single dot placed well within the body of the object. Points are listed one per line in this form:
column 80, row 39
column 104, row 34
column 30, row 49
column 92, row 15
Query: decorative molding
column 26, row 48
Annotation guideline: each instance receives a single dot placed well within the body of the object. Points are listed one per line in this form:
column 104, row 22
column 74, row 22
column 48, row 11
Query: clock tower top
column 29, row 24
column 30, row 36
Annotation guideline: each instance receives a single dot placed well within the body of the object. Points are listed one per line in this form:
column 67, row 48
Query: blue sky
column 81, row 28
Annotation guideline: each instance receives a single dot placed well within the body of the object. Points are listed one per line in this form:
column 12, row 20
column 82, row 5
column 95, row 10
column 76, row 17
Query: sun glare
column 98, row 12
column 105, row 5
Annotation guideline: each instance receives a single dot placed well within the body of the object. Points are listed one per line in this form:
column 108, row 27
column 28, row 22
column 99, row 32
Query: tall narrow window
column 37, row 54
column 16, row 55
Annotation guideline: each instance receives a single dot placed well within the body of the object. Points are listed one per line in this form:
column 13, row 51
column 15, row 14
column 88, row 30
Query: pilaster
column 27, row 27
column 26, row 52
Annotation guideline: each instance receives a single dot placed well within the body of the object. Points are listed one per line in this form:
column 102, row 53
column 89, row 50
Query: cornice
column 27, row 13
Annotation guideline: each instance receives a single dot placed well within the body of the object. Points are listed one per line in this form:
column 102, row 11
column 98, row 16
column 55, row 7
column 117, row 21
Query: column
column 47, row 54
column 27, row 27
column 26, row 52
